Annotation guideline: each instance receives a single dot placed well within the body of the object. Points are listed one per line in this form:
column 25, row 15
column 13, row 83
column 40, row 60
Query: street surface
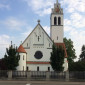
column 39, row 83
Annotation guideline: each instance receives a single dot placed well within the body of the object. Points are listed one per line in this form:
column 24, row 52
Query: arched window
column 55, row 21
column 48, row 68
column 27, row 68
column 23, row 57
column 49, row 44
column 38, row 68
column 27, row 44
column 57, row 37
column 59, row 20
column 23, row 68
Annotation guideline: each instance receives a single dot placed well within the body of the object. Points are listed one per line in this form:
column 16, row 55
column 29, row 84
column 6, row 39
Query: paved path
column 40, row 83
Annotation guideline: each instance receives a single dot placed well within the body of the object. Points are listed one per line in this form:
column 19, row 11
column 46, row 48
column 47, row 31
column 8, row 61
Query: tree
column 57, row 58
column 77, row 66
column 82, row 55
column 80, row 64
column 70, row 50
column 2, row 64
column 11, row 58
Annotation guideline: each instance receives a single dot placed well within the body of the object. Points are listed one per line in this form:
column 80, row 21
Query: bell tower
column 56, row 23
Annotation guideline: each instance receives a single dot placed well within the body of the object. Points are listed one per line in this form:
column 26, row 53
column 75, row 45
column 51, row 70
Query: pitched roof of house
column 21, row 49
column 63, row 45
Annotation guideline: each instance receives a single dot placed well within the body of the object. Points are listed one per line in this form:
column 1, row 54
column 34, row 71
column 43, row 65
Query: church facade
column 35, row 51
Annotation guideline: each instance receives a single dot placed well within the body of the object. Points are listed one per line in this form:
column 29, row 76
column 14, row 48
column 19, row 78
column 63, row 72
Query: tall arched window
column 55, row 21
column 27, row 68
column 38, row 68
column 59, row 20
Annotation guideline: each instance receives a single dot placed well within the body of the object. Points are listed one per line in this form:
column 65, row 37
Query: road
column 40, row 83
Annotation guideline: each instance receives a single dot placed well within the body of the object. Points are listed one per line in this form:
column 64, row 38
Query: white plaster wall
column 65, row 65
column 42, row 67
column 43, row 47
column 56, row 30
column 22, row 62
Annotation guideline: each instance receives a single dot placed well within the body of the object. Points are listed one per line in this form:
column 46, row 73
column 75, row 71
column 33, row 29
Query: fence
column 43, row 75
column 3, row 73
column 76, row 75
column 19, row 74
column 57, row 75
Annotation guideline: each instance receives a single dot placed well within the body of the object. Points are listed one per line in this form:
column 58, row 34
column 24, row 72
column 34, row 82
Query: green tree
column 77, row 66
column 57, row 58
column 11, row 58
column 70, row 50
column 82, row 55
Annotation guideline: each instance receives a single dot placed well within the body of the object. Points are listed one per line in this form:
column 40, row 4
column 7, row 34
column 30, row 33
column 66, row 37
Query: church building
column 35, row 51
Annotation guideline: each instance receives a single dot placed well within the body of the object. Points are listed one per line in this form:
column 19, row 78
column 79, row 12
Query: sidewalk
column 40, row 83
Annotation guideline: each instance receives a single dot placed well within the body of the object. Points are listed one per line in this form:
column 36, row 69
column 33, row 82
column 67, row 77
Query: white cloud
column 13, row 23
column 74, row 5
column 79, row 39
column 67, row 22
column 26, row 32
column 77, row 20
column 29, row 30
column 41, row 7
column 4, row 43
column 47, row 29
column 3, row 6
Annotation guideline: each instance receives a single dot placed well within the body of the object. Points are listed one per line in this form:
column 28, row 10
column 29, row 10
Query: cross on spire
column 38, row 21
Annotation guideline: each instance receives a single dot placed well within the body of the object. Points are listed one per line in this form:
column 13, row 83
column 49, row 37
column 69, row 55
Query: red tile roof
column 30, row 62
column 21, row 49
column 63, row 45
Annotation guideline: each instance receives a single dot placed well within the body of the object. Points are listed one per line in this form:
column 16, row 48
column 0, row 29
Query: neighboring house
column 35, row 51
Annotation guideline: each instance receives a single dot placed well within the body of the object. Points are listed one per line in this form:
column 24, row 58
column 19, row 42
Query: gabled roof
column 34, row 29
column 63, row 45
column 21, row 49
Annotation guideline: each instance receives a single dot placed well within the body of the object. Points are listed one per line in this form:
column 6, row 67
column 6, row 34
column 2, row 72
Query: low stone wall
column 37, row 75
column 43, row 75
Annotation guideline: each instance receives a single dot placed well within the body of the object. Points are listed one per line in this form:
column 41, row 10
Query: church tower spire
column 56, row 1
column 56, row 23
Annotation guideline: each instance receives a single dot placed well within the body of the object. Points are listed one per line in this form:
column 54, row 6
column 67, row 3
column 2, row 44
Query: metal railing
column 57, row 75
column 18, row 74
column 3, row 73
column 43, row 75
column 38, row 75
column 77, row 75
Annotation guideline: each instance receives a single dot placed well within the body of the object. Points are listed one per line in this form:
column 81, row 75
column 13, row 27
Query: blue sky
column 19, row 17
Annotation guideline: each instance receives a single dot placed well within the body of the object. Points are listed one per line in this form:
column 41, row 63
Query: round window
column 38, row 55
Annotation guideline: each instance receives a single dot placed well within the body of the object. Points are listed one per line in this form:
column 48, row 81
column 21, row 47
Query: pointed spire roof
column 56, row 1
column 21, row 49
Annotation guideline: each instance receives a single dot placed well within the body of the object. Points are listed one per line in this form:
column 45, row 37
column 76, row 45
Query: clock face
column 38, row 55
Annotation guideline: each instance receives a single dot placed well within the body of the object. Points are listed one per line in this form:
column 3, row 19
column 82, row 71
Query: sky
column 19, row 17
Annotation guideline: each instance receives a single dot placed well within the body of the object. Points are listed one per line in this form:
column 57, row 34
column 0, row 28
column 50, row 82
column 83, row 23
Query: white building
column 35, row 51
